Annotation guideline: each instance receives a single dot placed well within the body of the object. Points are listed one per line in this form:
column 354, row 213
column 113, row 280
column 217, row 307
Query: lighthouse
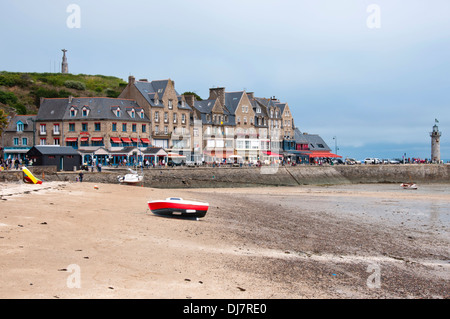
column 435, row 143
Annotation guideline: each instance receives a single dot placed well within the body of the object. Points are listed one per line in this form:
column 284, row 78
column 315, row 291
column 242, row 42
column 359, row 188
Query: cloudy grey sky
column 378, row 90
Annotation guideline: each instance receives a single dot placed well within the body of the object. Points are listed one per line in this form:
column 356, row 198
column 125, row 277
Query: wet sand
column 70, row 240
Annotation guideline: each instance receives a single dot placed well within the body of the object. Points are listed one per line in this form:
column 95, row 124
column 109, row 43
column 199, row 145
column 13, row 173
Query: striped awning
column 115, row 139
column 126, row 140
column 71, row 139
column 96, row 139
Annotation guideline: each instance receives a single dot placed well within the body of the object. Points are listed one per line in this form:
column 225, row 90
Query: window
column 97, row 126
column 71, row 127
column 183, row 118
column 258, row 109
column 166, row 117
column 118, row 113
column 84, row 112
column 84, row 127
column 170, row 104
column 43, row 141
column 245, row 120
column 133, row 127
column 156, row 116
column 141, row 114
column 24, row 141
column 43, row 129
column 124, row 127
column 166, row 130
column 132, row 113
column 16, row 141
column 156, row 129
column 114, row 127
column 56, row 141
column 19, row 126
column 144, row 128
column 73, row 112
column 56, row 129
column 174, row 117
column 239, row 120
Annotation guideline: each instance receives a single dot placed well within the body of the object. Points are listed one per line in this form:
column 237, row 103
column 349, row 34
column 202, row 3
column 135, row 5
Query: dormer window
column 132, row 113
column 141, row 114
column 118, row 112
column 258, row 109
column 73, row 111
column 20, row 126
column 84, row 112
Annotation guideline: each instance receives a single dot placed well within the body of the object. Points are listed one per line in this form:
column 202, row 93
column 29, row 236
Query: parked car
column 370, row 160
column 338, row 161
column 394, row 161
column 351, row 161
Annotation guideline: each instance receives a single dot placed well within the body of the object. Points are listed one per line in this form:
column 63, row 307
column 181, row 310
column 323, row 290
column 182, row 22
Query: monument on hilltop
column 64, row 64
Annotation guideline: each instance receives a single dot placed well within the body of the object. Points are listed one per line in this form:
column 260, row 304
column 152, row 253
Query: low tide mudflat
column 71, row 240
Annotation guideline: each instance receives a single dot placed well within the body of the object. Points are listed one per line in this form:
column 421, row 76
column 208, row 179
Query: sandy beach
column 74, row 240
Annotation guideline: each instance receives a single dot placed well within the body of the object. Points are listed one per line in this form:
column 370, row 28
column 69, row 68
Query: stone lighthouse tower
column 435, row 143
column 64, row 64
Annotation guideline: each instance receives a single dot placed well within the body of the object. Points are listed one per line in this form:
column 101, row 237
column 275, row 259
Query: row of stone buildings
column 152, row 119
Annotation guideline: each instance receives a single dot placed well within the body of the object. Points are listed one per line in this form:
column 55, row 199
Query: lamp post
column 335, row 144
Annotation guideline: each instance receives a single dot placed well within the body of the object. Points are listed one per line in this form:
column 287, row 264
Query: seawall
column 200, row 177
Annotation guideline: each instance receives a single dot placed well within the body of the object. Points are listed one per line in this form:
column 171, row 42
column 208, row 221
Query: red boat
column 175, row 206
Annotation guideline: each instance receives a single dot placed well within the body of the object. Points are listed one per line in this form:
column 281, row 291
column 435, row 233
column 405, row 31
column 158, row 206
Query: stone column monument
column 64, row 64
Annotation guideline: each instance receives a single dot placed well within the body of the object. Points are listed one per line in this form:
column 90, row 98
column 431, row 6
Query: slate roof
column 55, row 150
column 205, row 107
column 314, row 141
column 27, row 124
column 100, row 108
column 153, row 92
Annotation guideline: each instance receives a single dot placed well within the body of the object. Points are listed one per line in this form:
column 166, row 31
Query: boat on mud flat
column 176, row 206
column 408, row 186
column 131, row 178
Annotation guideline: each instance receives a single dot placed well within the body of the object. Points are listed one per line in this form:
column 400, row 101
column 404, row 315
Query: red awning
column 126, row 140
column 323, row 154
column 269, row 153
column 134, row 139
column 145, row 140
column 71, row 139
column 115, row 139
column 96, row 139
column 84, row 138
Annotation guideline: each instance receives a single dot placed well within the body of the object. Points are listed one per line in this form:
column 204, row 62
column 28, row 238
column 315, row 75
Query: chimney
column 131, row 79
column 190, row 99
column 70, row 99
column 251, row 95
column 217, row 93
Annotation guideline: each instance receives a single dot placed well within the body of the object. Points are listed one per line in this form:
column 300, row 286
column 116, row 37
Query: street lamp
column 335, row 144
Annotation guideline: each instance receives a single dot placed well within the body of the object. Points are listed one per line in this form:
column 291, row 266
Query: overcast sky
column 374, row 74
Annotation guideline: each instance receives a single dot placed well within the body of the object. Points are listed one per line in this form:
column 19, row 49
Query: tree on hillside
column 3, row 121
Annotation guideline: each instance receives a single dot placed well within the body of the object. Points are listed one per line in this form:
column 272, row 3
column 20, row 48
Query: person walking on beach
column 81, row 176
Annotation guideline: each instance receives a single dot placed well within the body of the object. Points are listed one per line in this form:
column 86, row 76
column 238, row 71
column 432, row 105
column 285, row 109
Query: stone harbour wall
column 199, row 177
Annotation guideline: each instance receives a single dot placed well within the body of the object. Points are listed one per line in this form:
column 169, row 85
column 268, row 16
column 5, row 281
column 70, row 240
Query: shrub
column 75, row 85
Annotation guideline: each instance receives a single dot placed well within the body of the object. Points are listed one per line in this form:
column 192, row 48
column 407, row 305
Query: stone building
column 100, row 127
column 17, row 138
column 168, row 112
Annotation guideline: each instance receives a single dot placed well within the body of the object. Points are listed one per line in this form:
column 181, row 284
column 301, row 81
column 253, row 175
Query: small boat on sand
column 131, row 178
column 176, row 206
column 408, row 186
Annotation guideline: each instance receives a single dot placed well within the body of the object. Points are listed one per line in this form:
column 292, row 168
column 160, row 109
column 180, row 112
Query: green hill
column 20, row 93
